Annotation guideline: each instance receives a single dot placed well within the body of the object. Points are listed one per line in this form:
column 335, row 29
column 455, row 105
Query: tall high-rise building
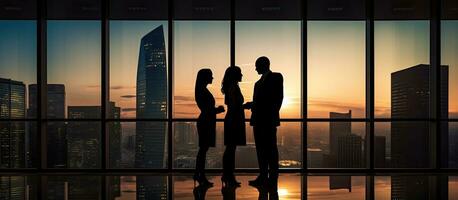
column 57, row 138
column 410, row 141
column 337, row 129
column 410, row 98
column 380, row 155
column 345, row 149
column 151, row 96
column 83, row 149
column 350, row 153
column 151, row 101
column 83, row 138
column 12, row 134
column 114, row 137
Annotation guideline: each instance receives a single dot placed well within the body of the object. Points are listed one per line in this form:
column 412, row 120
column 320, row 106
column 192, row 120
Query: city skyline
column 125, row 40
column 344, row 148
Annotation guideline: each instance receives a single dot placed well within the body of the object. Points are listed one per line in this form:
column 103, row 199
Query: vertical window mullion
column 232, row 34
column 370, row 105
column 170, row 87
column 370, row 83
column 105, row 81
column 304, row 87
column 436, row 111
column 42, row 86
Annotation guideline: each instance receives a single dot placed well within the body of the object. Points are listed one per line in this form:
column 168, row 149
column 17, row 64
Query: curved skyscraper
column 152, row 104
column 151, row 101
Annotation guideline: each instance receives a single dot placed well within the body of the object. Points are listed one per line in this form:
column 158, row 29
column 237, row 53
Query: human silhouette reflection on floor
column 268, row 191
column 228, row 192
column 200, row 191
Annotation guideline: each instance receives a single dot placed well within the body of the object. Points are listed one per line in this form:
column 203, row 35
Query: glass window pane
column 336, row 144
column 74, row 144
column 449, row 50
column 289, row 187
column 198, row 45
column 336, row 68
column 411, row 187
column 138, row 68
column 343, row 187
column 138, row 144
column 18, row 144
column 451, row 143
column 402, row 144
column 74, row 63
column 186, row 146
column 453, row 187
column 19, row 187
column 280, row 41
column 73, row 187
column 382, row 187
column 18, row 63
column 138, row 187
column 402, row 69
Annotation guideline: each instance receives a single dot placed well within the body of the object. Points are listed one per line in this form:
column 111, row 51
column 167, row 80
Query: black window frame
column 436, row 15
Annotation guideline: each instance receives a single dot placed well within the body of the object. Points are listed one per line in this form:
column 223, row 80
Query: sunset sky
column 336, row 59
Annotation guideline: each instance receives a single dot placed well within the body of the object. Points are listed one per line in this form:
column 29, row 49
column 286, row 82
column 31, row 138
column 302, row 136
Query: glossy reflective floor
column 181, row 187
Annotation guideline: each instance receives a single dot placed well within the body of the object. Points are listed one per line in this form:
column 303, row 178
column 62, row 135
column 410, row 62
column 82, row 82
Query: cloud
column 129, row 109
column 120, row 87
column 335, row 105
column 129, row 96
column 116, row 87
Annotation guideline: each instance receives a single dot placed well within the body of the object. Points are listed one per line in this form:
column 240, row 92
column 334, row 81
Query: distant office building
column 55, row 97
column 57, row 188
column 114, row 187
column 314, row 158
column 380, row 155
column 345, row 149
column 245, row 155
column 84, row 187
column 350, row 151
column 12, row 134
column 410, row 141
column 151, row 101
column 13, row 187
column 57, row 137
column 83, row 138
column 114, row 131
column 185, row 134
column 151, row 94
column 410, row 98
column 453, row 145
column 114, row 137
column 336, row 130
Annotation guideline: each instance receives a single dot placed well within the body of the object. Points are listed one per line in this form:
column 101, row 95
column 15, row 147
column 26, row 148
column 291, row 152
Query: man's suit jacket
column 267, row 100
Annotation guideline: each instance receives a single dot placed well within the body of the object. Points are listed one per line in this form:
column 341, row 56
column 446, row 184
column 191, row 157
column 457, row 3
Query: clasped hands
column 247, row 105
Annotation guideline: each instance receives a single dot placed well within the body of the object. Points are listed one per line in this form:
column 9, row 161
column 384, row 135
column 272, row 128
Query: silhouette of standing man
column 265, row 117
